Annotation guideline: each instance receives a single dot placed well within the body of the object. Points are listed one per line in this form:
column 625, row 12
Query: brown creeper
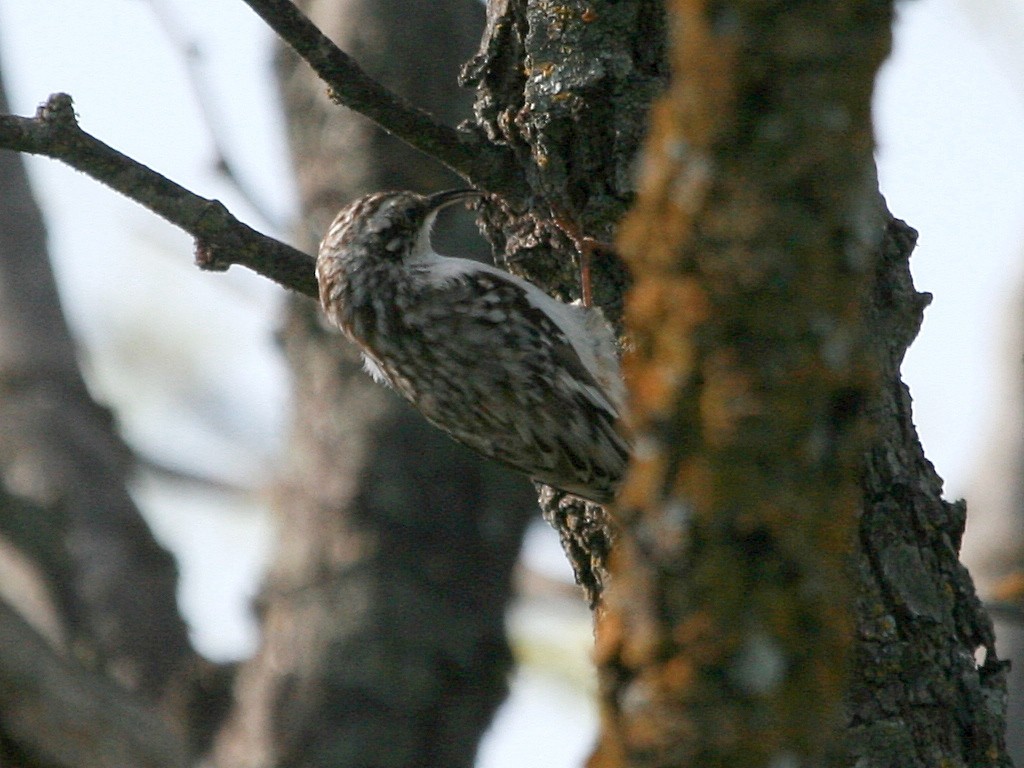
column 489, row 358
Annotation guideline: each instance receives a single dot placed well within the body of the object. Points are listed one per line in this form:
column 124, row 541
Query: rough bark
column 929, row 689
column 791, row 172
column 750, row 243
column 994, row 544
column 568, row 87
column 383, row 614
column 755, row 245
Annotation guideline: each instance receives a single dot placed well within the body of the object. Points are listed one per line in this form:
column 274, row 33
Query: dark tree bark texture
column 567, row 87
column 772, row 298
column 930, row 688
column 727, row 632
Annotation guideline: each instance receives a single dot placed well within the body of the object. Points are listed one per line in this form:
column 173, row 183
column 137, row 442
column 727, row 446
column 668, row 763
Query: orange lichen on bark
column 677, row 303
column 728, row 610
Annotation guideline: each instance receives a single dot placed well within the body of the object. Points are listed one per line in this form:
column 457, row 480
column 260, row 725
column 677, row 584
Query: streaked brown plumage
column 484, row 355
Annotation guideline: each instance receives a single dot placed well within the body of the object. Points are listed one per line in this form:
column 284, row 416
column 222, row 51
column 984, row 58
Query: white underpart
column 372, row 367
column 605, row 350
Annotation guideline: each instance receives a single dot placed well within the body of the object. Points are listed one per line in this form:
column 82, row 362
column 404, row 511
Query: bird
column 484, row 355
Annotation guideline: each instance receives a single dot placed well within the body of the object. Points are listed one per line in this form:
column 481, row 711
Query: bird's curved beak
column 439, row 200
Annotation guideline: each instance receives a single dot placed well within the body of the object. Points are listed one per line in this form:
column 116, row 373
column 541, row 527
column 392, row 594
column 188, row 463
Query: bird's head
column 389, row 226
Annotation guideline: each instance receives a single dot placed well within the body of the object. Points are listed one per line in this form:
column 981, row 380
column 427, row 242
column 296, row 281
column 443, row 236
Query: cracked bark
column 919, row 698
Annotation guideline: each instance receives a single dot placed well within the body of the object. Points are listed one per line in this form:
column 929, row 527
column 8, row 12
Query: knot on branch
column 58, row 111
column 209, row 258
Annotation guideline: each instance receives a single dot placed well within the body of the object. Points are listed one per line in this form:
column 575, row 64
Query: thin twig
column 194, row 61
column 221, row 239
column 486, row 166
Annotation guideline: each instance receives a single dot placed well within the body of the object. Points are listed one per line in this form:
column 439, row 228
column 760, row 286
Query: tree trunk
column 726, row 636
column 994, row 546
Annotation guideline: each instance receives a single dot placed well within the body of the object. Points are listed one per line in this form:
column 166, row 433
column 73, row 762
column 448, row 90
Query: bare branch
column 221, row 239
column 487, row 166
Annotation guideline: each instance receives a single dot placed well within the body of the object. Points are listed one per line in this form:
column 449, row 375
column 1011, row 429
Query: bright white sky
column 187, row 359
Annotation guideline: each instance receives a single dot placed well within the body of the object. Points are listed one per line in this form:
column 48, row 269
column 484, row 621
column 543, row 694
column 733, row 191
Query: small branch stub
column 58, row 111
